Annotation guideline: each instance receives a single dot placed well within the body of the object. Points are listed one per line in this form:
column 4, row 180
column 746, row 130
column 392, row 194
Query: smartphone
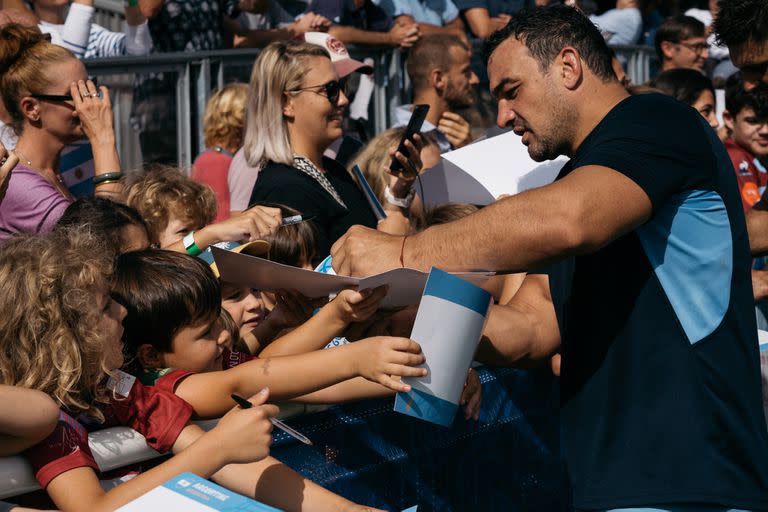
column 418, row 116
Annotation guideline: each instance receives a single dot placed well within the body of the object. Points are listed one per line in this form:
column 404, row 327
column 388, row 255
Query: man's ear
column 571, row 67
column 667, row 49
column 30, row 109
column 728, row 120
column 149, row 356
column 437, row 79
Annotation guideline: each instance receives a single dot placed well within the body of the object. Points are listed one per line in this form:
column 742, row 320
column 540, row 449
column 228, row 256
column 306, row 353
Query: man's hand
column 363, row 252
column 404, row 35
column 311, row 22
column 455, row 128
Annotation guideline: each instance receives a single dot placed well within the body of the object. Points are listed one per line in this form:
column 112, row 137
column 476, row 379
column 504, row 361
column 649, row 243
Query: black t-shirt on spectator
column 660, row 378
column 286, row 185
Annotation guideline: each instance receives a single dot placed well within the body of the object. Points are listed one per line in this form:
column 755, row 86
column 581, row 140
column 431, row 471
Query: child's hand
column 472, row 396
column 291, row 309
column 381, row 358
column 252, row 224
column 245, row 434
column 354, row 306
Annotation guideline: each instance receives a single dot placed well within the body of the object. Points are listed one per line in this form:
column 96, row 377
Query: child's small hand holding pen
column 244, row 435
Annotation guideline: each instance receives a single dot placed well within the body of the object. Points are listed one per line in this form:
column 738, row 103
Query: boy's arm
column 28, row 416
column 242, row 435
column 275, row 484
column 331, row 321
column 286, row 377
column 347, row 391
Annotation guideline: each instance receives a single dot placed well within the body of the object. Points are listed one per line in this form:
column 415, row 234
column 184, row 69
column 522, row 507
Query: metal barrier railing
column 197, row 74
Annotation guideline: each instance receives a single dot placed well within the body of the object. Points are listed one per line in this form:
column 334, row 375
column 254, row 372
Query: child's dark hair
column 294, row 244
column 444, row 214
column 228, row 324
column 164, row 292
column 105, row 217
column 736, row 98
column 683, row 84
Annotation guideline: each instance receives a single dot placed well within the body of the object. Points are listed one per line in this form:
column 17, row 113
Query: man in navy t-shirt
column 649, row 299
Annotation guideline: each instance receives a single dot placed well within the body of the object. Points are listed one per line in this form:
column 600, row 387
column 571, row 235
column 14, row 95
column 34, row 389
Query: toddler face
column 244, row 305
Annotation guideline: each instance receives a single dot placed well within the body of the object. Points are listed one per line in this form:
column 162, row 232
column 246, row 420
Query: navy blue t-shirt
column 661, row 398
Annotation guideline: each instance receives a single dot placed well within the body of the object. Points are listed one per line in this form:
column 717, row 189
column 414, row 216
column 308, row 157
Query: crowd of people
column 639, row 275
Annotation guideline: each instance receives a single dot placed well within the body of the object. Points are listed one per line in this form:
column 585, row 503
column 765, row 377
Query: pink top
column 31, row 205
column 211, row 168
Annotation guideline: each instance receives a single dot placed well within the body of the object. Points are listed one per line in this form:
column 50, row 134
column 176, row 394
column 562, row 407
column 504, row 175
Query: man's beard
column 457, row 99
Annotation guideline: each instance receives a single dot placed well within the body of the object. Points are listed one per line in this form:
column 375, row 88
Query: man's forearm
column 578, row 214
column 523, row 332
column 352, row 35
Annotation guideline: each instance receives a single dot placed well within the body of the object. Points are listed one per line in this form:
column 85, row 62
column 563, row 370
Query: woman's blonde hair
column 161, row 191
column 25, row 56
column 49, row 327
column 280, row 67
column 224, row 119
column 372, row 158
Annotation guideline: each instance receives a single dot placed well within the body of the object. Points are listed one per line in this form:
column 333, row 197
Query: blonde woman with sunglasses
column 296, row 107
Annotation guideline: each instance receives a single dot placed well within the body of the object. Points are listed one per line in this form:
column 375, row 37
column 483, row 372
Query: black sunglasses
column 62, row 97
column 332, row 89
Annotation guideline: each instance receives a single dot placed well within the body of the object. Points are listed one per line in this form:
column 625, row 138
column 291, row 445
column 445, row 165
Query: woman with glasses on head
column 296, row 108
column 51, row 103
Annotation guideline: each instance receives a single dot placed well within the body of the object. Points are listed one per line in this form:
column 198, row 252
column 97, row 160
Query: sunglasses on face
column 332, row 90
column 61, row 97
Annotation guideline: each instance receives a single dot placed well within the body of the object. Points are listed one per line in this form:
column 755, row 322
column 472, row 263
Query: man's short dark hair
column 737, row 99
column 741, row 21
column 676, row 29
column 164, row 292
column 431, row 51
column 683, row 84
column 545, row 31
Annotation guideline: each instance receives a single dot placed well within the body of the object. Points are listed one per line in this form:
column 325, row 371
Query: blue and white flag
column 448, row 327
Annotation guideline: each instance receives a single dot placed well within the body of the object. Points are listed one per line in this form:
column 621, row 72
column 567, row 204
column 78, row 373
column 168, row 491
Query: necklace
column 56, row 175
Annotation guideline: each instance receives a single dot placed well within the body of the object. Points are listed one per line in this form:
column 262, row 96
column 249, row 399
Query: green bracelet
column 132, row 3
column 107, row 176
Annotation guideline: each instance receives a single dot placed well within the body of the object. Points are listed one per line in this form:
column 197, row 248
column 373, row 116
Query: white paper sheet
column 405, row 284
column 481, row 172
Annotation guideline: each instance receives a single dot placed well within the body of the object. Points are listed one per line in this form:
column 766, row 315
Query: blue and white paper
column 77, row 168
column 448, row 327
column 190, row 493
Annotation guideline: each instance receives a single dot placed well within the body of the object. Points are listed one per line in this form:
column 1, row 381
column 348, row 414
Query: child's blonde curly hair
column 160, row 192
column 49, row 328
column 224, row 118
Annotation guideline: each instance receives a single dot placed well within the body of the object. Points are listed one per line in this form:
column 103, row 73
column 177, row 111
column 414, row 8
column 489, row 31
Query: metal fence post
column 183, row 121
column 203, row 92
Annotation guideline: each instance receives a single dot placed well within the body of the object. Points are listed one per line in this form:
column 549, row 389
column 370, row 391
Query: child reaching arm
column 172, row 328
column 347, row 307
column 57, row 313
